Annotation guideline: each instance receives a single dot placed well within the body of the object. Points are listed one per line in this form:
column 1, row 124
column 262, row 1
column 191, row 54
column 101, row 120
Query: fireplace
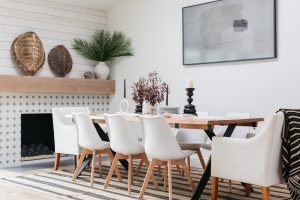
column 37, row 136
column 14, row 105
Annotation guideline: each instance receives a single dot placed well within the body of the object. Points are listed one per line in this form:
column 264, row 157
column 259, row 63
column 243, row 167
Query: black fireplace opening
column 37, row 135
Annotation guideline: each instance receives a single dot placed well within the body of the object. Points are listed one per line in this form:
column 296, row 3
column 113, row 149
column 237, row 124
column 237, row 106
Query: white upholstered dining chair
column 65, row 132
column 126, row 146
column 252, row 161
column 162, row 146
column 91, row 144
column 241, row 132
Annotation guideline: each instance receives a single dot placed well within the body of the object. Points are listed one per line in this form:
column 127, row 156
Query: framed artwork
column 229, row 30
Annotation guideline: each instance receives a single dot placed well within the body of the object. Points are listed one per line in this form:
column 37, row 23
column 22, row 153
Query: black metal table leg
column 207, row 173
column 75, row 161
column 103, row 137
column 229, row 130
column 203, row 181
column 85, row 163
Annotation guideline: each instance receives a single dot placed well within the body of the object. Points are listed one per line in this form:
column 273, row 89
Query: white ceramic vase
column 101, row 71
column 149, row 109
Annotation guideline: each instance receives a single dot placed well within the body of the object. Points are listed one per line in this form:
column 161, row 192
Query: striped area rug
column 59, row 184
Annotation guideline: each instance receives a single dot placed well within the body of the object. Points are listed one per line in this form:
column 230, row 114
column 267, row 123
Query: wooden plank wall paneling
column 55, row 23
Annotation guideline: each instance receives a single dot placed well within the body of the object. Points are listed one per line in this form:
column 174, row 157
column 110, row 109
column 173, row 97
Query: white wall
column 55, row 23
column 258, row 87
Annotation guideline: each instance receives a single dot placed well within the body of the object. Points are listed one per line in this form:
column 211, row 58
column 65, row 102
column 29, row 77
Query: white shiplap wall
column 55, row 23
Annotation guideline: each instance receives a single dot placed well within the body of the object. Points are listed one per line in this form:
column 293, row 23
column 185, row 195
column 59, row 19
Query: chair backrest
column 239, row 131
column 65, row 131
column 270, row 137
column 159, row 141
column 87, row 134
column 135, row 127
column 121, row 137
column 192, row 135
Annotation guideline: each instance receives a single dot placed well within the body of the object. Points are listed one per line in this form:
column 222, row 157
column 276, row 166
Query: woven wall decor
column 60, row 60
column 28, row 52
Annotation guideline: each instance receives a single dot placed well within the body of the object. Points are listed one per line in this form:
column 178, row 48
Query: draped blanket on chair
column 291, row 151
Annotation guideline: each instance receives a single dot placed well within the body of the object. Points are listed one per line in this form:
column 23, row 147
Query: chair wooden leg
column 130, row 171
column 188, row 160
column 79, row 163
column 200, row 156
column 170, row 179
column 147, row 178
column 214, row 188
column 77, row 158
column 140, row 167
column 183, row 169
column 265, row 193
column 165, row 178
column 100, row 165
column 93, row 167
column 56, row 161
column 178, row 169
column 159, row 171
column 111, row 157
column 248, row 188
column 188, row 175
column 145, row 159
column 189, row 163
column 111, row 170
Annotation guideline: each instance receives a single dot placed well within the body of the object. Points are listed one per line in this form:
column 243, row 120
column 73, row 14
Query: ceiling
column 95, row 4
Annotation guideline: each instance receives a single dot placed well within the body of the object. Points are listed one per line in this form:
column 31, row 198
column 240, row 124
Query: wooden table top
column 193, row 122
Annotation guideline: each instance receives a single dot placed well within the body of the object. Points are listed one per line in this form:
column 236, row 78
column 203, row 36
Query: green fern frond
column 104, row 46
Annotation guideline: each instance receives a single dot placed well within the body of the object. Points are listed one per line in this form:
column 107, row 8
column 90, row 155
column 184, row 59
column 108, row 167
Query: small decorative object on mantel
column 89, row 75
column 190, row 108
column 154, row 93
column 104, row 46
column 60, row 60
column 28, row 52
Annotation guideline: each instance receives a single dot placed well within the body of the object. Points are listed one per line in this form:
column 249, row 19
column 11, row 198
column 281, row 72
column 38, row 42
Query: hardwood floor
column 11, row 192
column 15, row 192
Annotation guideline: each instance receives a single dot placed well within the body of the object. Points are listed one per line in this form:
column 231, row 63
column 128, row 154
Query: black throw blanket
column 291, row 151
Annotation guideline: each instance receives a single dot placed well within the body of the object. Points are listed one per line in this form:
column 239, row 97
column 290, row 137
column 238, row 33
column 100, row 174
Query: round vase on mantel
column 101, row 71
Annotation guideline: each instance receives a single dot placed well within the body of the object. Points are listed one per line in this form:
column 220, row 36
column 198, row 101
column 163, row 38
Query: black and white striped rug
column 59, row 184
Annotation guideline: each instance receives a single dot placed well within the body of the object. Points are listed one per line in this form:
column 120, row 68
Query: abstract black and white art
column 229, row 30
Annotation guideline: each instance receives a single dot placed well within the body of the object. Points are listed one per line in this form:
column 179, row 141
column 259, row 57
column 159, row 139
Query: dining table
column 207, row 124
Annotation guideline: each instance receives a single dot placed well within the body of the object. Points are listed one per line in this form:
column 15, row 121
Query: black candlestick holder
column 190, row 108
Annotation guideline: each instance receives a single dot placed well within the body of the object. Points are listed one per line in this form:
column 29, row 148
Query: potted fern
column 102, row 47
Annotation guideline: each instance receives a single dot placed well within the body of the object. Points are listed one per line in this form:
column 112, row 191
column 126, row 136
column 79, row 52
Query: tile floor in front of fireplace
column 14, row 192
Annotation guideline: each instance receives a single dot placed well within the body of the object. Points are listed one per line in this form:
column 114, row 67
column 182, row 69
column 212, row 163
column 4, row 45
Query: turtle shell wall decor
column 60, row 60
column 28, row 52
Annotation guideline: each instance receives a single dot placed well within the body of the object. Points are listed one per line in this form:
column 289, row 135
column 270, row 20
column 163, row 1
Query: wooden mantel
column 34, row 84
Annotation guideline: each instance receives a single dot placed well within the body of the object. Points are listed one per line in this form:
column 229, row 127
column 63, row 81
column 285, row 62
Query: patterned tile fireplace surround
column 12, row 105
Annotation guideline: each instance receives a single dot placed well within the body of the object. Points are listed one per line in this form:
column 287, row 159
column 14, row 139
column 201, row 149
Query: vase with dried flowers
column 150, row 93
column 138, row 94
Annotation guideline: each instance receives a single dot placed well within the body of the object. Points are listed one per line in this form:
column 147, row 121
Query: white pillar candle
column 189, row 83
